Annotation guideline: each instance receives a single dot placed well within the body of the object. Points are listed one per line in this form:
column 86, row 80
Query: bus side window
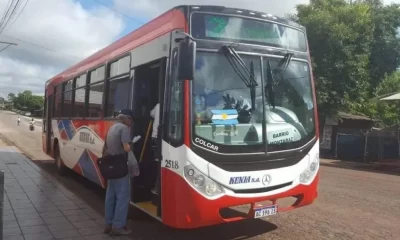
column 57, row 101
column 175, row 104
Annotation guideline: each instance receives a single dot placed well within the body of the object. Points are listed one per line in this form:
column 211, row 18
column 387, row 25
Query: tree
column 385, row 52
column 2, row 102
column 340, row 40
column 11, row 97
column 388, row 111
column 26, row 101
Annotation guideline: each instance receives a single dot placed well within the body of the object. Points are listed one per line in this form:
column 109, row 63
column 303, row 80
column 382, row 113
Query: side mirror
column 186, row 59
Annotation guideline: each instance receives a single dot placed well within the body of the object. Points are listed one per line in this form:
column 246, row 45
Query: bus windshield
column 222, row 104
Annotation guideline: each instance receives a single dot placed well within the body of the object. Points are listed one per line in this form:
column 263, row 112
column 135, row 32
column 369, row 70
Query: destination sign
column 246, row 30
column 279, row 137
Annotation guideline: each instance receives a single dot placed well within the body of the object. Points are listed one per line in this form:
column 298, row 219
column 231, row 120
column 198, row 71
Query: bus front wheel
column 61, row 169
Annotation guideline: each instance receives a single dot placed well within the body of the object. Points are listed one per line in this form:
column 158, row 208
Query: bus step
column 148, row 207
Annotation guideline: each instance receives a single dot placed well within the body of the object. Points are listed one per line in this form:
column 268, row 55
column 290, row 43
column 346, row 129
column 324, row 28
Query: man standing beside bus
column 118, row 190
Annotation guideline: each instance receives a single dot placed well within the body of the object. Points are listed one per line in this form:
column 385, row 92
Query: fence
column 367, row 146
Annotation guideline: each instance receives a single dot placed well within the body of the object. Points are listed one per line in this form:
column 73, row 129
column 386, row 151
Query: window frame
column 105, row 80
column 108, row 79
column 74, row 96
column 175, row 142
column 87, row 91
column 64, row 84
column 55, row 94
column 116, row 60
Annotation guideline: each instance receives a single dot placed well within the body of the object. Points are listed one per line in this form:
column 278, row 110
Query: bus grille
column 261, row 190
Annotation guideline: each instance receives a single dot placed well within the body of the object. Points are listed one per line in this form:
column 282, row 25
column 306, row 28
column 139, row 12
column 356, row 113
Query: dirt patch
column 385, row 168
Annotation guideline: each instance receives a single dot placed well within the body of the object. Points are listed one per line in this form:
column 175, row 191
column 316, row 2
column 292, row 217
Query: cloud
column 153, row 8
column 51, row 36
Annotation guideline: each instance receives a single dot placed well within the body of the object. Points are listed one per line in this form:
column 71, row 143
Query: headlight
column 201, row 182
column 309, row 173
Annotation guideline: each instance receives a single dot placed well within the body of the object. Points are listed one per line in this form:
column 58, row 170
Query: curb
column 12, row 144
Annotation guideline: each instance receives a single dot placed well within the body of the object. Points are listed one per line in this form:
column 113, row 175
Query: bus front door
column 146, row 94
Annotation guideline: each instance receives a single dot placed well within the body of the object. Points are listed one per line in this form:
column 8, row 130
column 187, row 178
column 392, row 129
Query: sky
column 52, row 35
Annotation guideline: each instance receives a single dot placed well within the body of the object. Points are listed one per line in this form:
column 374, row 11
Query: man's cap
column 127, row 112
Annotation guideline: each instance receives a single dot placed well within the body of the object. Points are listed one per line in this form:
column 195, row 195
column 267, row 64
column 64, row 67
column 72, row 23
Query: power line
column 16, row 6
column 4, row 48
column 26, row 3
column 115, row 10
column 8, row 45
column 8, row 7
column 45, row 48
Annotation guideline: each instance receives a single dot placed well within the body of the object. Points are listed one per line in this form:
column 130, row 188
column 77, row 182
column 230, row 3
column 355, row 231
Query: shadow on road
column 145, row 227
column 387, row 168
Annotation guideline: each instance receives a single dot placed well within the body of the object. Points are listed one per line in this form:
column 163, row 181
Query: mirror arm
column 183, row 33
column 177, row 40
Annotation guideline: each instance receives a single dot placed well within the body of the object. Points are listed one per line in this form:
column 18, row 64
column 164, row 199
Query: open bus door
column 148, row 89
column 151, row 86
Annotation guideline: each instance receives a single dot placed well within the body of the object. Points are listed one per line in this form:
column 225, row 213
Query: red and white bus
column 238, row 116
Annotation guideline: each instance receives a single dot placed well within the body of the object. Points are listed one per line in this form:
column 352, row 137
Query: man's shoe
column 121, row 231
column 107, row 229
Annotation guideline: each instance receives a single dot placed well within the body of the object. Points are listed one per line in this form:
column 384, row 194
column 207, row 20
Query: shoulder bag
column 113, row 166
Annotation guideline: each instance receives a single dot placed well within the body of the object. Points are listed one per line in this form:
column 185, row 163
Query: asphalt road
column 353, row 203
column 28, row 141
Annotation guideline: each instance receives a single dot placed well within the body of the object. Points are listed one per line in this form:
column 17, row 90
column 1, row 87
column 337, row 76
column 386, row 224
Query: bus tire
column 61, row 169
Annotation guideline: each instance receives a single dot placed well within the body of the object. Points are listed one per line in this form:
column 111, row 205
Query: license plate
column 265, row 211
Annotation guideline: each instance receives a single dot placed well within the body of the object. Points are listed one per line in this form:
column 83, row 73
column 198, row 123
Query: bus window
column 97, row 75
column 57, row 105
column 80, row 96
column 81, row 81
column 118, row 96
column 175, row 104
column 95, row 99
column 120, row 67
column 96, row 90
column 118, row 88
column 67, row 99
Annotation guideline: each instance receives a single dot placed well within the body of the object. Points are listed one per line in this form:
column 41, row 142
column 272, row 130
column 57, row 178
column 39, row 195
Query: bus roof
column 168, row 21
column 173, row 19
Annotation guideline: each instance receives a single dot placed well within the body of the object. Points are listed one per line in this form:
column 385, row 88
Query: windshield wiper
column 245, row 74
column 270, row 81
column 282, row 65
column 270, row 86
